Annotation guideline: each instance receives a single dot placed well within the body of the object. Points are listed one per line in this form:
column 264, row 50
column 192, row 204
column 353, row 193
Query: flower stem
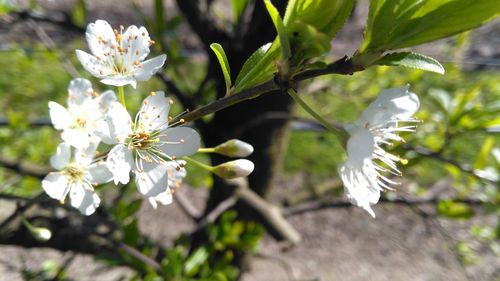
column 340, row 133
column 121, row 94
column 206, row 150
column 198, row 163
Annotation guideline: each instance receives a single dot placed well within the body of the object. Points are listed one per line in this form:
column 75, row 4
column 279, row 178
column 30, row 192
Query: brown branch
column 22, row 168
column 186, row 206
column 341, row 66
column 271, row 213
column 320, row 205
column 217, row 211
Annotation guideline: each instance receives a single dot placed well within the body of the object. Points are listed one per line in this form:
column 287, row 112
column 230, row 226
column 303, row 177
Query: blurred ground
column 338, row 244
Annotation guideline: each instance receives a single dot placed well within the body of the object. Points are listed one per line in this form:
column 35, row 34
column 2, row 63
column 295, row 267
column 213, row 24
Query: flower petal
column 358, row 188
column 79, row 91
column 99, row 173
column 165, row 198
column 137, row 41
column 116, row 125
column 100, row 37
column 84, row 198
column 62, row 157
column 96, row 67
column 181, row 141
column 119, row 81
column 152, row 180
column 104, row 100
column 59, row 116
column 56, row 185
column 76, row 137
column 154, row 112
column 149, row 67
column 120, row 161
column 360, row 146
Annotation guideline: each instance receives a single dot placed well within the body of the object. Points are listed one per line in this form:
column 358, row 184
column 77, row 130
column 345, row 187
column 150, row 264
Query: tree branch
column 342, row 203
column 341, row 66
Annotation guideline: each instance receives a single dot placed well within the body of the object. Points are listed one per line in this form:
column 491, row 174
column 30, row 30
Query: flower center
column 80, row 122
column 75, row 172
column 144, row 140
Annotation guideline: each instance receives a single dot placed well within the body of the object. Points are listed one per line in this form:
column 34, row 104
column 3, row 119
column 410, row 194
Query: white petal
column 78, row 138
column 79, row 91
column 85, row 155
column 99, row 173
column 84, row 198
column 149, row 67
column 120, row 161
column 104, row 101
column 56, row 185
column 153, row 180
column 183, row 141
column 176, row 173
column 358, row 189
column 119, row 81
column 165, row 198
column 137, row 42
column 100, row 30
column 59, row 116
column 62, row 157
column 96, row 67
column 117, row 126
column 360, row 146
column 154, row 112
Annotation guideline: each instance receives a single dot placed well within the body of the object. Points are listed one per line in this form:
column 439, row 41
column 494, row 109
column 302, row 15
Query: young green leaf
column 238, row 7
column 258, row 67
column 395, row 24
column 411, row 60
column 224, row 64
column 280, row 28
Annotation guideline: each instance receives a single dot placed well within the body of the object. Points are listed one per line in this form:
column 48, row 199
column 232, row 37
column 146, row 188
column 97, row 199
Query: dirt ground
column 338, row 244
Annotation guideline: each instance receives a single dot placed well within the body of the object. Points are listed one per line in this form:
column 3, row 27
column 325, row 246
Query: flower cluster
column 367, row 162
column 149, row 146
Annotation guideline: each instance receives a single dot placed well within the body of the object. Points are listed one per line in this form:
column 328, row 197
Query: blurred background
column 441, row 223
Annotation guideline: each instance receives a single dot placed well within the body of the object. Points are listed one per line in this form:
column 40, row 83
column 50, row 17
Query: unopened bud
column 234, row 148
column 39, row 233
column 234, row 169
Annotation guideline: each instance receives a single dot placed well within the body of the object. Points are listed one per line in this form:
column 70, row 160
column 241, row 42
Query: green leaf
column 327, row 16
column 258, row 67
column 454, row 210
column 395, row 24
column 412, row 60
column 195, row 260
column 224, row 64
column 280, row 28
column 484, row 153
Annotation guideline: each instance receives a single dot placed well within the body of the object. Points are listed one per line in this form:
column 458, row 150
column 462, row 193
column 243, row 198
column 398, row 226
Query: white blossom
column 76, row 177
column 118, row 57
column 176, row 173
column 84, row 116
column 367, row 162
column 145, row 145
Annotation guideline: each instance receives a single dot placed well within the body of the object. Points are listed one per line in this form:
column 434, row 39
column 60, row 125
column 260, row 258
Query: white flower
column 176, row 173
column 145, row 145
column 84, row 116
column 362, row 177
column 76, row 177
column 118, row 57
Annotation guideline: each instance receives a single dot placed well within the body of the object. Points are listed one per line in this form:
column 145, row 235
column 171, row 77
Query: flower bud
column 234, row 169
column 234, row 148
column 39, row 233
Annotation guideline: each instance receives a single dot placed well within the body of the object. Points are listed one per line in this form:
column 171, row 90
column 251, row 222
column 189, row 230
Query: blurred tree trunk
column 268, row 135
